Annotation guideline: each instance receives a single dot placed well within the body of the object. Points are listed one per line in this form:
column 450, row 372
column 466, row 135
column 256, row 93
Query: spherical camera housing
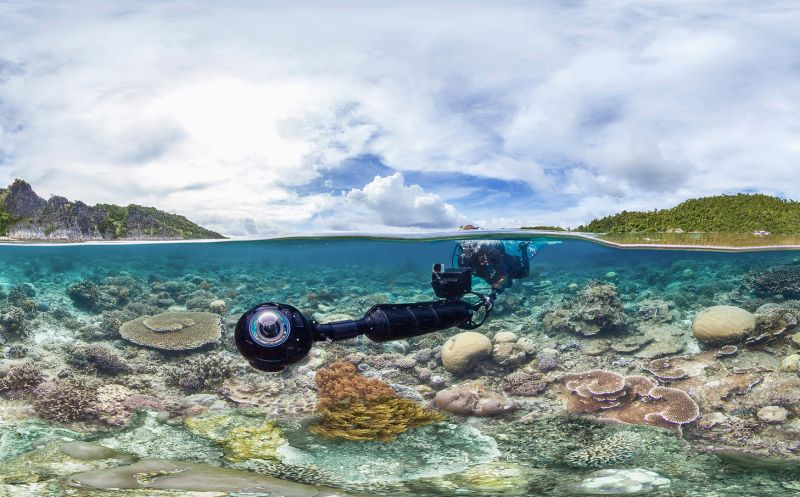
column 272, row 336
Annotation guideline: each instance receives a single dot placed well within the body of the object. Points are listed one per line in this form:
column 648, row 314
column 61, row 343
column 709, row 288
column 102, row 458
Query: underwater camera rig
column 272, row 336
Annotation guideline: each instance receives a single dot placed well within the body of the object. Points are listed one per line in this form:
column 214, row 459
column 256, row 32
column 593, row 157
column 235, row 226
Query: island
column 25, row 216
column 740, row 220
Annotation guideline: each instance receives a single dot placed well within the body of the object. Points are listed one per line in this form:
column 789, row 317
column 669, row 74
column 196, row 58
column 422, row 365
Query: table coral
column 633, row 399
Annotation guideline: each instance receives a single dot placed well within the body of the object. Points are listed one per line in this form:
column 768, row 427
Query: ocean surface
column 605, row 371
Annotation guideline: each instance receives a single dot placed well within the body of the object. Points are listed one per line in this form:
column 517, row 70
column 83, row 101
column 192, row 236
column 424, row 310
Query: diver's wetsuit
column 489, row 260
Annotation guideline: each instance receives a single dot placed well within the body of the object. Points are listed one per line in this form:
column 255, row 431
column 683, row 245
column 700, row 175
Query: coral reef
column 65, row 400
column 597, row 308
column 173, row 330
column 242, row 437
column 776, row 280
column 353, row 407
column 631, row 399
column 98, row 356
column 722, row 324
column 23, row 377
column 618, row 448
column 462, row 351
column 200, row 373
column 472, row 398
column 578, row 375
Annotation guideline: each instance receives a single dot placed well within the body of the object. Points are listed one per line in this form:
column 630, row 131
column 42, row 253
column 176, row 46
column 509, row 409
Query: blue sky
column 263, row 117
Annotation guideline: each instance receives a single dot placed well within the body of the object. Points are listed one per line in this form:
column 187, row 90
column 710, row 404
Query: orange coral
column 341, row 383
column 353, row 407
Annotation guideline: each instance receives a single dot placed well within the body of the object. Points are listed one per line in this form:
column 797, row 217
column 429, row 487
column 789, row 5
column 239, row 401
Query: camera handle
column 485, row 302
column 386, row 322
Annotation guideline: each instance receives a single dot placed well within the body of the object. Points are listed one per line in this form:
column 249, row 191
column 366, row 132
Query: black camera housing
column 452, row 283
column 296, row 341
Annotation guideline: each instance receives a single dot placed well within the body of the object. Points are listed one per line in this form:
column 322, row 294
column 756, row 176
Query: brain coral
column 173, row 330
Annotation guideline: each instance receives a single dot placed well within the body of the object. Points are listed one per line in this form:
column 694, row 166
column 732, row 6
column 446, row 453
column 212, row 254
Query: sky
column 265, row 117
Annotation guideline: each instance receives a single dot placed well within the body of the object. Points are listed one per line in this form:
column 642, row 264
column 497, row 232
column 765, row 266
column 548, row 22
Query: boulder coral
column 472, row 398
column 722, row 324
column 462, row 351
column 353, row 407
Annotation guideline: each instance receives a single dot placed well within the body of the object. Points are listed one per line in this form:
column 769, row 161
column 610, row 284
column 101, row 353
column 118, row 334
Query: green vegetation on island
column 26, row 216
column 741, row 213
column 543, row 228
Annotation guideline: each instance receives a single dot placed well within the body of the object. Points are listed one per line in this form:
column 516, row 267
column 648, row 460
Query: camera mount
column 271, row 336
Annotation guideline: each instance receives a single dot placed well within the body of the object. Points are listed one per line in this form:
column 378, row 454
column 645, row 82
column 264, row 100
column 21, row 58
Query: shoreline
column 423, row 236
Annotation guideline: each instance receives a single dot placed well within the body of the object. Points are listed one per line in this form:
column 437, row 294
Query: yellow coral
column 253, row 442
column 213, row 427
column 241, row 437
column 379, row 420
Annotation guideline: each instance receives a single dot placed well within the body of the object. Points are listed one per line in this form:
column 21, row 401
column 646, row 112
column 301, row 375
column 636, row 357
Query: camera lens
column 269, row 328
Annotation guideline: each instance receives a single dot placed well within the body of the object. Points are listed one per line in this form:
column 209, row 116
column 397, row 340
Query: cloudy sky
column 262, row 117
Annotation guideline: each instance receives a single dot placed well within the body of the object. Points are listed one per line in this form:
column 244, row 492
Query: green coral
column 241, row 436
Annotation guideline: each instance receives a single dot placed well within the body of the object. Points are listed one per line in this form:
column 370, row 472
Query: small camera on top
column 452, row 283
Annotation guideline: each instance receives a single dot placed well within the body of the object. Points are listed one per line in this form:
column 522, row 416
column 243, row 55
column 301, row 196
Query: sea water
column 86, row 411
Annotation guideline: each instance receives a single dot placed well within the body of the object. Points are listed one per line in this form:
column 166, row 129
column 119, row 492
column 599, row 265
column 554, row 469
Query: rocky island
column 25, row 216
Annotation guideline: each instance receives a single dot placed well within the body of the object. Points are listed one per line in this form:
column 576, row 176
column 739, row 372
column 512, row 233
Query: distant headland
column 25, row 216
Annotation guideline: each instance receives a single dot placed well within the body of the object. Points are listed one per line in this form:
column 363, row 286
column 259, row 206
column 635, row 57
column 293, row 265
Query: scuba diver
column 490, row 262
column 272, row 336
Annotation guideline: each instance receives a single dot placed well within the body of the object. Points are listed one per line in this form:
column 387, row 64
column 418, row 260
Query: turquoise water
column 70, row 373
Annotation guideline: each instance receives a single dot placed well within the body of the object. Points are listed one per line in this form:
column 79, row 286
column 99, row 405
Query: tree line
column 741, row 213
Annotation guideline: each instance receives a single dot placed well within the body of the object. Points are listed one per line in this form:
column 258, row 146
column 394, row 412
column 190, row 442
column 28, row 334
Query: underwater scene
column 598, row 371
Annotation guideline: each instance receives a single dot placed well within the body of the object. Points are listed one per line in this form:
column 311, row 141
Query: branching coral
column 783, row 280
column 12, row 322
column 200, row 372
column 353, row 407
column 65, row 400
column 618, row 448
column 21, row 378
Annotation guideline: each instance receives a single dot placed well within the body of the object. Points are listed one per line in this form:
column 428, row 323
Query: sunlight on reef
column 606, row 372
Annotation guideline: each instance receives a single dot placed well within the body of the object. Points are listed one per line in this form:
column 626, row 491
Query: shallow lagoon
column 62, row 308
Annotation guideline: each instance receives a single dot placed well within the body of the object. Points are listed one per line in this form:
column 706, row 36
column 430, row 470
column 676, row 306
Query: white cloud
column 389, row 202
column 227, row 112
